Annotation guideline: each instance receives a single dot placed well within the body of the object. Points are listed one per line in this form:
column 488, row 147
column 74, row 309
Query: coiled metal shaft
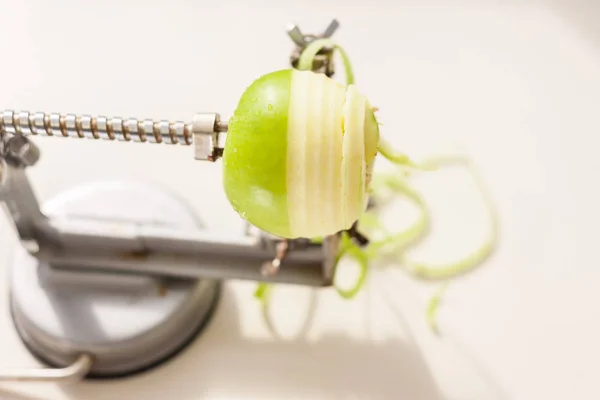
column 86, row 126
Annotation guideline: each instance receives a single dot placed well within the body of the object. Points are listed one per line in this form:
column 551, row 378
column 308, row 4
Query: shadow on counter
column 333, row 366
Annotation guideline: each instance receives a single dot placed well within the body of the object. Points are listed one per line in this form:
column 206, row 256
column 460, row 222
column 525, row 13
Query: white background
column 517, row 83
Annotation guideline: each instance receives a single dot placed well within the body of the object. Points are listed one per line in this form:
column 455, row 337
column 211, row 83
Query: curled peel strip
column 397, row 241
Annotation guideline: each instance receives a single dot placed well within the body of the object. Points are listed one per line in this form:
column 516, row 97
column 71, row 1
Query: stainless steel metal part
column 21, row 151
column 126, row 323
column 207, row 129
column 128, row 248
column 209, row 138
column 21, row 202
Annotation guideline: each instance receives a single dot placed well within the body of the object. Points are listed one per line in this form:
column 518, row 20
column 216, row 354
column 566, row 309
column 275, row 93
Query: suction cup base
column 127, row 323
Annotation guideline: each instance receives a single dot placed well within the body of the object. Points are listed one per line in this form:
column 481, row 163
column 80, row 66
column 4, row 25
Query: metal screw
column 207, row 131
column 323, row 62
column 302, row 40
column 22, row 151
column 271, row 268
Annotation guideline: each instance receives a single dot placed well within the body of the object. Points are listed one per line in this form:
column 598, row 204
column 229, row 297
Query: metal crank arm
column 159, row 251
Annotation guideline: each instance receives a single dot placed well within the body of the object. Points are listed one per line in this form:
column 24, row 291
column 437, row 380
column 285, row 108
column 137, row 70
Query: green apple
column 299, row 154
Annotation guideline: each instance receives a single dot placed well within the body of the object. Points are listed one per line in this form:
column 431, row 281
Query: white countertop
column 518, row 85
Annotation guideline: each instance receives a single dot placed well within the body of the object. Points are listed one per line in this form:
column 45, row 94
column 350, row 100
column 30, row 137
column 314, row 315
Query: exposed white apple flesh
column 326, row 155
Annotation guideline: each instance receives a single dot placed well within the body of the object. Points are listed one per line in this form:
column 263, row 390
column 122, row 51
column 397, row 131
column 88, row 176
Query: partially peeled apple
column 299, row 154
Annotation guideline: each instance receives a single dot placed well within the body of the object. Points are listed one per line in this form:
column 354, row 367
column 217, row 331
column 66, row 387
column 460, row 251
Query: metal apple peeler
column 113, row 279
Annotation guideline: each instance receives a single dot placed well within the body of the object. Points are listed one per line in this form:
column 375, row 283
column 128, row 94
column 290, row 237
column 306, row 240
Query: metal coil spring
column 85, row 126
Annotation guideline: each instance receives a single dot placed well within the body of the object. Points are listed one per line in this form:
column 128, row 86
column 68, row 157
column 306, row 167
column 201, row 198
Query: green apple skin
column 256, row 148
column 254, row 160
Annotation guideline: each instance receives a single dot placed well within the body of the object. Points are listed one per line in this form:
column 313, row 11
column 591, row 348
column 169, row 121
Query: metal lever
column 74, row 372
column 129, row 248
